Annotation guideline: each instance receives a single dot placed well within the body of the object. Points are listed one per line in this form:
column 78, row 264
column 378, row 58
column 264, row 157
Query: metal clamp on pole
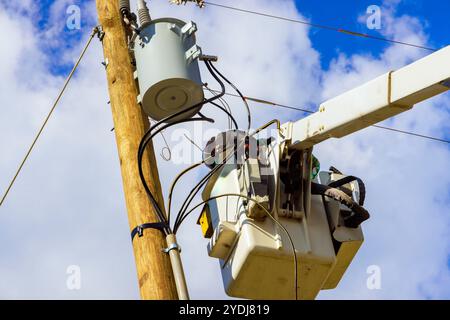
column 173, row 246
column 139, row 230
column 98, row 30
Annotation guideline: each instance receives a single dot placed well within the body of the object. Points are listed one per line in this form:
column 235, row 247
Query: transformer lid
column 171, row 96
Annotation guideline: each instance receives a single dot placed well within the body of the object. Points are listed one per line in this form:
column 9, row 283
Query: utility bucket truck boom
column 279, row 229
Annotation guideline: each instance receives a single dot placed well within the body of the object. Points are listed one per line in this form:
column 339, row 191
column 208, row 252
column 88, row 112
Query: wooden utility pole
column 154, row 270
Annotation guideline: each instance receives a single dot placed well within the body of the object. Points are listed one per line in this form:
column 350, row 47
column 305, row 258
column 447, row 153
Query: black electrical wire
column 184, row 207
column 192, row 193
column 201, row 114
column 203, row 181
column 155, row 204
column 239, row 93
column 148, row 136
column 188, row 200
column 145, row 140
column 228, row 113
column 224, row 103
column 182, row 215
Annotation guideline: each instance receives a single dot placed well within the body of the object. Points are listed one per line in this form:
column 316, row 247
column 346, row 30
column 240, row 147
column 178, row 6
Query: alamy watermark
column 373, row 281
column 373, row 21
column 73, row 281
column 73, row 21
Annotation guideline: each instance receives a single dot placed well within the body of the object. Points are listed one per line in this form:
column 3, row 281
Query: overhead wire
column 411, row 133
column 174, row 182
column 230, row 116
column 341, row 30
column 206, row 178
column 94, row 32
column 225, row 104
column 262, row 101
column 321, row 26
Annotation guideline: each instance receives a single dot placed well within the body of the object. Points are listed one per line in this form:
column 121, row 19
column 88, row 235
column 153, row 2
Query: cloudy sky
column 67, row 207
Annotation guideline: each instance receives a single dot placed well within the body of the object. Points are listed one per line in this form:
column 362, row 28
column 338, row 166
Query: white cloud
column 67, row 207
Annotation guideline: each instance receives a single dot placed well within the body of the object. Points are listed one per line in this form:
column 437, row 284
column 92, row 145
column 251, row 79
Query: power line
column 320, row 26
column 261, row 101
column 411, row 133
column 95, row 31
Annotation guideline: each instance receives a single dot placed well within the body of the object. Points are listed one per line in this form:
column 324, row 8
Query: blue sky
column 66, row 39
column 344, row 14
column 73, row 178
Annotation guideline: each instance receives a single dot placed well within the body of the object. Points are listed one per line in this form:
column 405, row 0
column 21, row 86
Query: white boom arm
column 375, row 101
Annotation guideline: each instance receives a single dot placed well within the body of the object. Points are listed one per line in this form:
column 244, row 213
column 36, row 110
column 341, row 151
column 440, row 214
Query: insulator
column 143, row 13
column 124, row 6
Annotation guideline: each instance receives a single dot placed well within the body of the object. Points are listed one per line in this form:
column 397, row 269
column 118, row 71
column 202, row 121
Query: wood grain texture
column 153, row 267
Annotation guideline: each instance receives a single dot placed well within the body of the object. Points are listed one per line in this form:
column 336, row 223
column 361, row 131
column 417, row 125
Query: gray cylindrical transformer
column 167, row 68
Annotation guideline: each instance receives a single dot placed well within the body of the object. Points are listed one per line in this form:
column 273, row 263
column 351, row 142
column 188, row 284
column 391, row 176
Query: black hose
column 360, row 214
column 348, row 179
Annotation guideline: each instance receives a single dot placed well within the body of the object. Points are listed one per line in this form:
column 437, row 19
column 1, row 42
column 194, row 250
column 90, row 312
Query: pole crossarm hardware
column 200, row 3
column 375, row 101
